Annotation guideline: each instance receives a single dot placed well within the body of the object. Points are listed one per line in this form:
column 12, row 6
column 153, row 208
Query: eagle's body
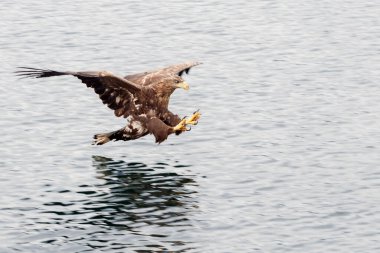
column 141, row 98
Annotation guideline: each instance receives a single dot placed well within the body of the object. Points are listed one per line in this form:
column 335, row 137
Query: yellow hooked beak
column 183, row 85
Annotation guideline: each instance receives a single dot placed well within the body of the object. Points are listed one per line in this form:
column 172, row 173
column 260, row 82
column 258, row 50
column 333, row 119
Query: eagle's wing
column 118, row 93
column 150, row 77
column 179, row 69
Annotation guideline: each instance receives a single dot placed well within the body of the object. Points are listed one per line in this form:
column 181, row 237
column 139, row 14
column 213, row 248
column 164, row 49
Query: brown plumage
column 141, row 98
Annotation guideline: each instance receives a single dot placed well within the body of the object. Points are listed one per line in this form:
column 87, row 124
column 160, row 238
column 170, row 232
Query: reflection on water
column 288, row 146
column 136, row 206
column 139, row 193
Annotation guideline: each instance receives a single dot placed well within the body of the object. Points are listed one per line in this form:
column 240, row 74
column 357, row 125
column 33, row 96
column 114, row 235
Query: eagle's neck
column 163, row 101
column 163, row 95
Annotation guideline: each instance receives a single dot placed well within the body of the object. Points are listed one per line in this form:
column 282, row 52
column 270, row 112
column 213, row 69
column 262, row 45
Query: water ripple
column 285, row 157
column 144, row 203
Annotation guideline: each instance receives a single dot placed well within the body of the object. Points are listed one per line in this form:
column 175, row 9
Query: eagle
column 142, row 99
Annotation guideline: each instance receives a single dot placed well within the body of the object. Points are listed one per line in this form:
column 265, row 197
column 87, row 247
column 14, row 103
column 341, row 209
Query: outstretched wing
column 150, row 77
column 179, row 69
column 117, row 93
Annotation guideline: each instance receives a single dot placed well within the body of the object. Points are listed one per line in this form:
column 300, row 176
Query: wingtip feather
column 28, row 72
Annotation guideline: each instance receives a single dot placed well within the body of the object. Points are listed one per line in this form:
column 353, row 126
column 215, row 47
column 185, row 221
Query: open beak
column 183, row 85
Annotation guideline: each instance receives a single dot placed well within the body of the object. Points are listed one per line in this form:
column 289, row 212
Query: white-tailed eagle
column 141, row 98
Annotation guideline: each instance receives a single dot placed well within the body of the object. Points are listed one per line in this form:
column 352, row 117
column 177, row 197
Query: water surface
column 284, row 159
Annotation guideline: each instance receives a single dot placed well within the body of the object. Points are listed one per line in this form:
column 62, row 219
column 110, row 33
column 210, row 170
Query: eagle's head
column 180, row 83
column 168, row 85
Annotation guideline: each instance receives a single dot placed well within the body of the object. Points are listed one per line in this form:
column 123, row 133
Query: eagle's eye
column 176, row 81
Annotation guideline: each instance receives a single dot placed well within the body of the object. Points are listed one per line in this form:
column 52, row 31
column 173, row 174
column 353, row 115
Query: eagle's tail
column 100, row 139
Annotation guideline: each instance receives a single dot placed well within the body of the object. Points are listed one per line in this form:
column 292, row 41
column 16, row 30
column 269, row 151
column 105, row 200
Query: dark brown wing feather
column 119, row 94
column 179, row 69
column 149, row 77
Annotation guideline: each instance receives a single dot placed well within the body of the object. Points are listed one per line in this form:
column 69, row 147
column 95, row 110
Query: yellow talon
column 193, row 120
column 181, row 126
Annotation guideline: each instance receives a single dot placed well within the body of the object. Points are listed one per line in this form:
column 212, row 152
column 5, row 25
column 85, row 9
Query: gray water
column 284, row 159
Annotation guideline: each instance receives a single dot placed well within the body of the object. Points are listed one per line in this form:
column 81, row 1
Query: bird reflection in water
column 133, row 207
column 137, row 189
column 146, row 200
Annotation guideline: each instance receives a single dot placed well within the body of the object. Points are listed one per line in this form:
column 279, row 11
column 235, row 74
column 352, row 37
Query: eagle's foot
column 181, row 127
column 193, row 120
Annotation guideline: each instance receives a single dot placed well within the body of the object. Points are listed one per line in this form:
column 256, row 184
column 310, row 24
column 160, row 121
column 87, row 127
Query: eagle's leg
column 193, row 119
